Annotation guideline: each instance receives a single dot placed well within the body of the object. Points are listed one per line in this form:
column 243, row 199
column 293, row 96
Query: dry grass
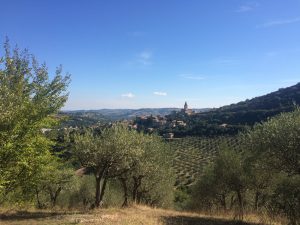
column 135, row 215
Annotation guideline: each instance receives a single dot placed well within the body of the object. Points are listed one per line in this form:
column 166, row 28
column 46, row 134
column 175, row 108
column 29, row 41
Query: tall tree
column 228, row 174
column 29, row 100
column 107, row 155
column 151, row 176
column 275, row 146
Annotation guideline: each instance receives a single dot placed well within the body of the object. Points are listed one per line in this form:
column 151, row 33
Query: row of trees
column 263, row 175
column 140, row 162
column 124, row 164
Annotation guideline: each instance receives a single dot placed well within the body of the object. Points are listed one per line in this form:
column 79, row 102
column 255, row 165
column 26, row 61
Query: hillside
column 230, row 119
column 257, row 109
column 82, row 119
column 193, row 154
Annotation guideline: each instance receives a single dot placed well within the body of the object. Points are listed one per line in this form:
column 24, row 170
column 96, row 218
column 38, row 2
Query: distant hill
column 230, row 119
column 280, row 98
column 121, row 114
column 82, row 118
column 257, row 109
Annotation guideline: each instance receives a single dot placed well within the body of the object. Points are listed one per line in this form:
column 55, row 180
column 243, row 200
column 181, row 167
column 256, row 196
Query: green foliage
column 114, row 196
column 106, row 155
column 262, row 175
column 28, row 102
column 82, row 193
column 229, row 168
column 286, row 198
column 82, row 118
column 278, row 140
column 182, row 198
column 113, row 147
column 226, row 177
column 141, row 163
column 151, row 175
column 275, row 148
column 55, row 179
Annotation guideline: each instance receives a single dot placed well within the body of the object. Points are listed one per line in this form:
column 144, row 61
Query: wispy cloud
column 160, row 93
column 191, row 76
column 279, row 22
column 128, row 95
column 141, row 59
column 247, row 7
column 145, row 57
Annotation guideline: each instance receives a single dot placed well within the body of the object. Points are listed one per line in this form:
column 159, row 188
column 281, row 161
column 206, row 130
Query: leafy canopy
column 29, row 100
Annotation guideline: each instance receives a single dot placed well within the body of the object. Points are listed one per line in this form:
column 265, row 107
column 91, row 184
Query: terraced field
column 192, row 154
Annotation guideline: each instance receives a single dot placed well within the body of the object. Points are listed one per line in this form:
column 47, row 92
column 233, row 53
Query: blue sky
column 160, row 53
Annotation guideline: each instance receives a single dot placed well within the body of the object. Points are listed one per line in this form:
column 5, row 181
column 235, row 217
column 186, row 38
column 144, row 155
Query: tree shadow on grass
column 24, row 215
column 188, row 220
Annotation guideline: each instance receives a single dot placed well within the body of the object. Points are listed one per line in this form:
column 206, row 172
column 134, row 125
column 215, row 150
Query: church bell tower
column 185, row 106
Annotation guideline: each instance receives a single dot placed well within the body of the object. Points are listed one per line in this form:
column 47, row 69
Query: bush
column 286, row 198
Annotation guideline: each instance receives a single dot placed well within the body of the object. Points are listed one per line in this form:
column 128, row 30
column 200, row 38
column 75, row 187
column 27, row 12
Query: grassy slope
column 135, row 215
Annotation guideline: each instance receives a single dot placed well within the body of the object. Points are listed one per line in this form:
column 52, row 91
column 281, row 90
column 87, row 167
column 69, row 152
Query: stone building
column 186, row 109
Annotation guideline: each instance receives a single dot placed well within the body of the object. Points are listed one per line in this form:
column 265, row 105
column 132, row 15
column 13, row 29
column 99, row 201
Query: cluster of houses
column 152, row 123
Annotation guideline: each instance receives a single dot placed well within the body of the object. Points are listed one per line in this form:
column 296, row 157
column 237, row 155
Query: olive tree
column 152, row 176
column 226, row 176
column 150, row 179
column 55, row 179
column 276, row 146
column 277, row 141
column 107, row 155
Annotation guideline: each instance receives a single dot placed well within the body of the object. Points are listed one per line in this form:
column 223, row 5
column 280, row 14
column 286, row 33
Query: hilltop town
column 158, row 123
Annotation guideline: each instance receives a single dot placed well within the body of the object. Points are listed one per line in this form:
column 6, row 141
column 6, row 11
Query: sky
column 160, row 53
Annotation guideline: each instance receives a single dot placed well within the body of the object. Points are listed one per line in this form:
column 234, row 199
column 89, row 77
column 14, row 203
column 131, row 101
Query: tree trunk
column 54, row 195
column 39, row 204
column 223, row 202
column 231, row 202
column 257, row 194
column 125, row 189
column 139, row 197
column 241, row 205
column 98, row 191
column 99, row 174
column 137, row 181
column 102, row 190
column 135, row 189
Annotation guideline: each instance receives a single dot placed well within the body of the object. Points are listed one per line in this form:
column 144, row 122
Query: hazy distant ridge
column 118, row 114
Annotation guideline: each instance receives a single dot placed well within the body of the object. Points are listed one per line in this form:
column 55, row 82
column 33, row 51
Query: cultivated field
column 192, row 154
